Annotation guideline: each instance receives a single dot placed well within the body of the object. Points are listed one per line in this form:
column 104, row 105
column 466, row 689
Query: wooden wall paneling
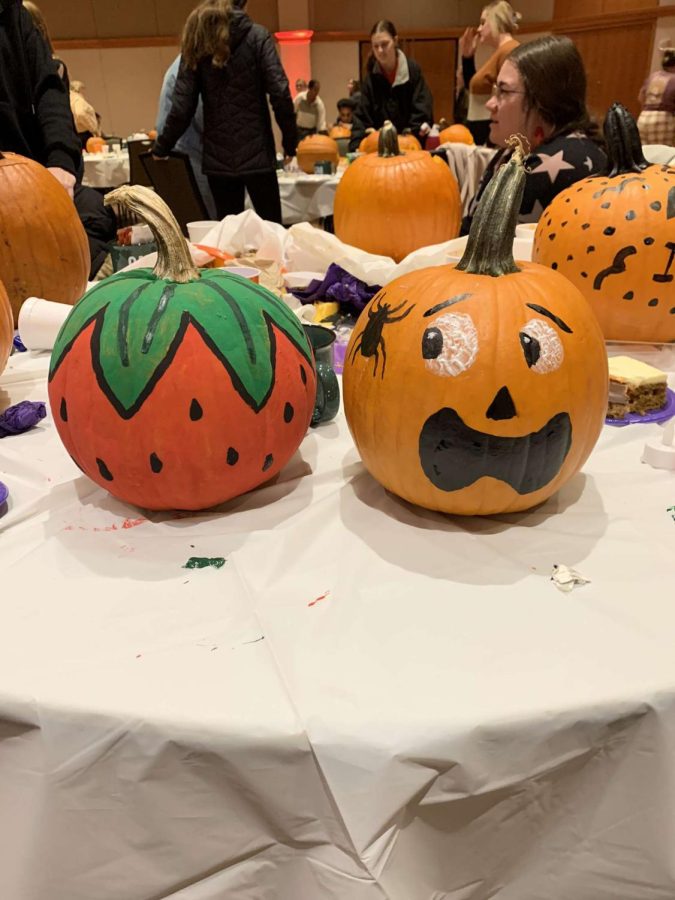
column 616, row 61
column 171, row 14
column 437, row 59
column 74, row 19
column 125, row 18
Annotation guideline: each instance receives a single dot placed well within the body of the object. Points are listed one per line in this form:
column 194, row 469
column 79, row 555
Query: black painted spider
column 370, row 341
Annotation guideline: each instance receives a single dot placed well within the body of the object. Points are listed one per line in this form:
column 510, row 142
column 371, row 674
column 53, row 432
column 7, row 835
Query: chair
column 174, row 181
column 137, row 173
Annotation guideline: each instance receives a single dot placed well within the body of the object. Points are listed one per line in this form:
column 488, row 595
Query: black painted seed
column 653, row 302
column 576, row 212
column 196, row 412
column 156, row 463
column 628, row 296
column 605, row 205
column 63, row 410
column 568, row 200
column 586, row 225
column 584, row 274
column 562, row 224
column 232, row 456
column 570, row 258
column 656, row 205
column 551, row 236
column 672, row 312
column 303, row 375
column 649, row 241
column 609, row 230
column 630, row 215
column 554, row 265
column 269, row 459
column 289, row 412
column 590, row 248
column 104, row 470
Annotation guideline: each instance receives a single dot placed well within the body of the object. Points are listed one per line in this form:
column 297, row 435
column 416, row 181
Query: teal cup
column 327, row 401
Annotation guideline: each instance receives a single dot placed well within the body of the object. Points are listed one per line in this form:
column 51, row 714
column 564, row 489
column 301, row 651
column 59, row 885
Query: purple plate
column 4, row 493
column 657, row 415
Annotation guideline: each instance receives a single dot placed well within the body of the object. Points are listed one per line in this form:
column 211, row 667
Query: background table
column 367, row 702
column 306, row 198
column 106, row 170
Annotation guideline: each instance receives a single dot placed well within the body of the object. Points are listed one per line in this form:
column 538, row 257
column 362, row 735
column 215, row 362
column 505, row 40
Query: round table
column 106, row 170
column 366, row 700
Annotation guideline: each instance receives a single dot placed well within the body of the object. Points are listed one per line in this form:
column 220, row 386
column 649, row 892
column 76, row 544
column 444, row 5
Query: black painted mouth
column 453, row 455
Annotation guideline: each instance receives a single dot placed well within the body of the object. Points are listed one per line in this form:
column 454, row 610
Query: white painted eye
column 450, row 344
column 542, row 347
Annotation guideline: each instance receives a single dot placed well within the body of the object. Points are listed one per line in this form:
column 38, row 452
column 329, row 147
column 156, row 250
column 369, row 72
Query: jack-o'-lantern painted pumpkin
column 178, row 388
column 613, row 236
column 406, row 143
column 44, row 250
column 317, row 148
column 456, row 134
column 6, row 328
column 478, row 388
column 392, row 203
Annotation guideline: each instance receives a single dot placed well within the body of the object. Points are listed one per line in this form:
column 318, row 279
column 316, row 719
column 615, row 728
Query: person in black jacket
column 233, row 65
column 36, row 121
column 394, row 89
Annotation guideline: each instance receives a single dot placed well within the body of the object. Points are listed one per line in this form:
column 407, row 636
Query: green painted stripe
column 123, row 323
column 159, row 311
column 239, row 316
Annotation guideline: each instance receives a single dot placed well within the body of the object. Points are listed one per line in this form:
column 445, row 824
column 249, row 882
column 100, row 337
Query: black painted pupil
column 531, row 348
column 432, row 343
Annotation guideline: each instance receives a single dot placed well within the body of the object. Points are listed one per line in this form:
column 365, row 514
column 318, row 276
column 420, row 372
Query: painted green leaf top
column 140, row 321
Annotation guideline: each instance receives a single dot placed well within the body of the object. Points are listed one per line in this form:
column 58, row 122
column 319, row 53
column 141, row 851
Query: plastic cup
column 245, row 272
column 40, row 322
column 197, row 231
column 526, row 230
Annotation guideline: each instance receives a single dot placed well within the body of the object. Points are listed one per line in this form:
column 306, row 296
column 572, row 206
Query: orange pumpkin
column 479, row 388
column 456, row 134
column 316, row 148
column 44, row 250
column 406, row 142
column 392, row 203
column 614, row 237
column 152, row 134
column 6, row 328
column 340, row 131
column 95, row 145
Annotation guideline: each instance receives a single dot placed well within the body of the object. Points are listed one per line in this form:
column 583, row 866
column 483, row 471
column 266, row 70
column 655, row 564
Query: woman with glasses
column 498, row 22
column 540, row 94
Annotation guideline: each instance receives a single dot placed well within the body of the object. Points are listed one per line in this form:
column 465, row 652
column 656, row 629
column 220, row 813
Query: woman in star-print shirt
column 541, row 94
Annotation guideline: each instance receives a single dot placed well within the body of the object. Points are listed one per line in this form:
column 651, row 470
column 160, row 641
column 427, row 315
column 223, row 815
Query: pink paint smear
column 127, row 523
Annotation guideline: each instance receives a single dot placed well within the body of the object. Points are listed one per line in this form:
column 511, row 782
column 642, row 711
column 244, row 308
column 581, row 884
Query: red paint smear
column 132, row 523
column 127, row 523
column 322, row 597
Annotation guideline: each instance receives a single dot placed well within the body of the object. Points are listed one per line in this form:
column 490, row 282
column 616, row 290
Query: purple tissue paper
column 19, row 418
column 339, row 285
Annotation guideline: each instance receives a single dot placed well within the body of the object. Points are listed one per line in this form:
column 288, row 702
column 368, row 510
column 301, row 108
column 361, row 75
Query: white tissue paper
column 566, row 579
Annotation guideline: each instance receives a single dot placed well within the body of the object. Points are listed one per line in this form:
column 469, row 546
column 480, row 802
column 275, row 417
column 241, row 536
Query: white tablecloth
column 367, row 702
column 305, row 198
column 106, row 170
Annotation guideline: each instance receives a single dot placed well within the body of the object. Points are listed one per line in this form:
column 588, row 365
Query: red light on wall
column 294, row 37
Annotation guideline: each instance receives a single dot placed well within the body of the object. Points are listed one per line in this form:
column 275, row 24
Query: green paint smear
column 203, row 562
column 139, row 329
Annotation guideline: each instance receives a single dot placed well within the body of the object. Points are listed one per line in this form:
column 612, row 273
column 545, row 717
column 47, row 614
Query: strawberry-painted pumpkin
column 392, row 203
column 456, row 134
column 6, row 328
column 613, row 236
column 44, row 250
column 478, row 388
column 178, row 388
column 317, row 148
column 406, row 143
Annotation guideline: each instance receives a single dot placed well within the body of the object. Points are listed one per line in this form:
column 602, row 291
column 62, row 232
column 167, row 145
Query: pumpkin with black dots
column 479, row 388
column 176, row 388
column 613, row 236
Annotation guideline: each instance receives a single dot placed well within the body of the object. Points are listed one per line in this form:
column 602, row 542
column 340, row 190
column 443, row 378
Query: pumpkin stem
column 489, row 250
column 387, row 142
column 624, row 148
column 174, row 262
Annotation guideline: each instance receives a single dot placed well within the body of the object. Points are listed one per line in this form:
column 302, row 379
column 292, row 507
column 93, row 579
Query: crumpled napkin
column 566, row 579
column 340, row 285
column 19, row 418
